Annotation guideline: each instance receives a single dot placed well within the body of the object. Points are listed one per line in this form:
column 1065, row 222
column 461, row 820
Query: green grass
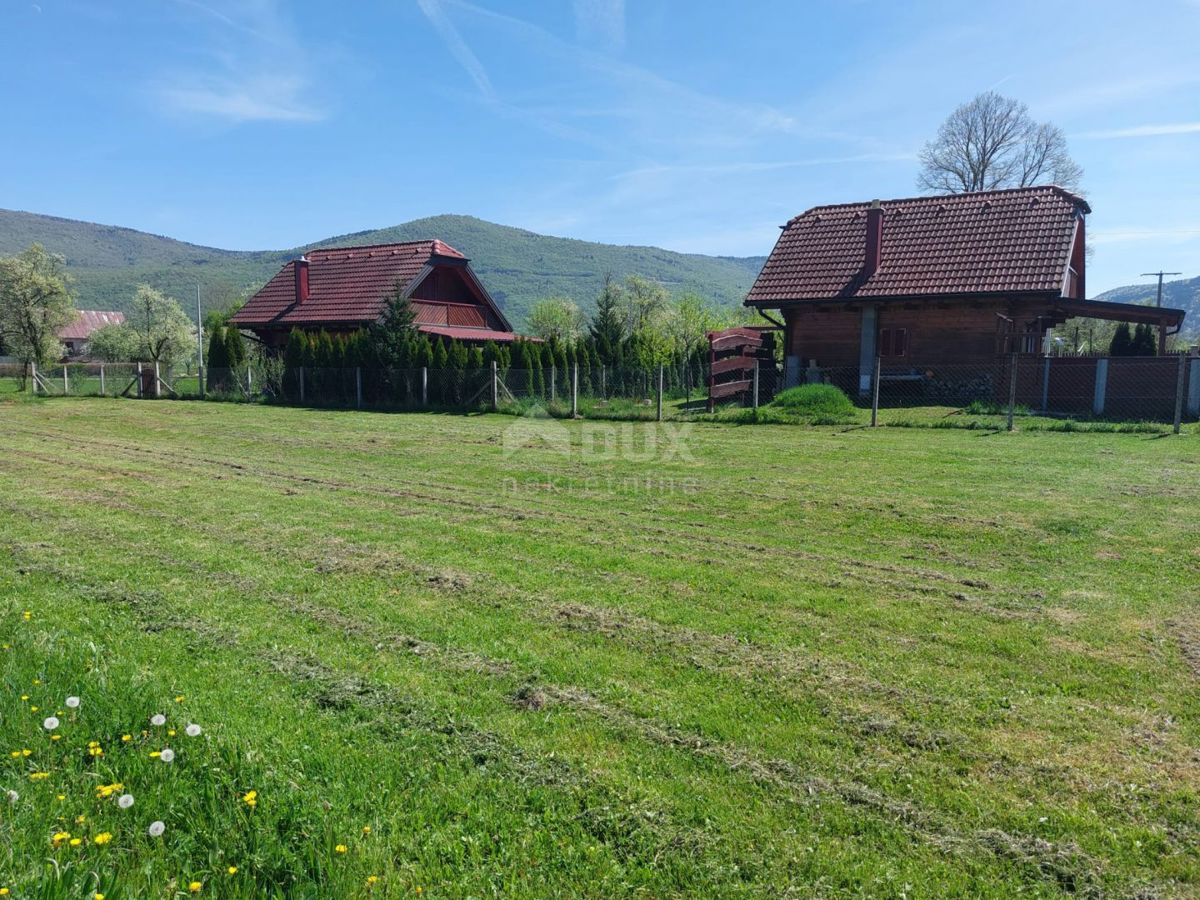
column 815, row 400
column 790, row 661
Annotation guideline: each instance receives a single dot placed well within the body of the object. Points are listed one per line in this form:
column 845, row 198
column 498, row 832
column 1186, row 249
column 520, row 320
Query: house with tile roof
column 341, row 289
column 926, row 282
column 75, row 336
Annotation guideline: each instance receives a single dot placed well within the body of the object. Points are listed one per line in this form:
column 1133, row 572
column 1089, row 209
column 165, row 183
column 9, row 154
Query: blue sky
column 688, row 124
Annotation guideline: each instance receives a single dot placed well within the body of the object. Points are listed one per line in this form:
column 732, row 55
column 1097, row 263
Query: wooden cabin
column 927, row 282
column 340, row 289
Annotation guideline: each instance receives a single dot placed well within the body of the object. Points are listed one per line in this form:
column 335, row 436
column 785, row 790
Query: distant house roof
column 350, row 285
column 88, row 321
column 991, row 242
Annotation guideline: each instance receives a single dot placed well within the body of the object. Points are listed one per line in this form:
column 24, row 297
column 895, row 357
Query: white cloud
column 1140, row 131
column 601, row 20
column 456, row 45
column 264, row 99
column 256, row 66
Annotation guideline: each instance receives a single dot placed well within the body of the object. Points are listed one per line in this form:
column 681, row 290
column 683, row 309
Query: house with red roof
column 926, row 282
column 75, row 337
column 341, row 289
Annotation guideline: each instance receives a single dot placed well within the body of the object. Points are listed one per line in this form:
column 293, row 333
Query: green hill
column 519, row 267
column 1183, row 294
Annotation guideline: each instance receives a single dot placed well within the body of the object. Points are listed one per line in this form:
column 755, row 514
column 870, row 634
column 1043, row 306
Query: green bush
column 815, row 400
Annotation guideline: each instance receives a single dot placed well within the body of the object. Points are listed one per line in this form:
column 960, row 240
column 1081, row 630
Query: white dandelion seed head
column 51, row 723
column 73, row 702
column 156, row 829
column 125, row 801
column 167, row 755
column 193, row 730
column 158, row 719
column 13, row 796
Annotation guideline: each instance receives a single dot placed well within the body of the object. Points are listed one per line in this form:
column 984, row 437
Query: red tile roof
column 1008, row 241
column 88, row 321
column 347, row 285
column 469, row 334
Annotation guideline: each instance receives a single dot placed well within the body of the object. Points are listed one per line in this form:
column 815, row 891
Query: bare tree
column 992, row 142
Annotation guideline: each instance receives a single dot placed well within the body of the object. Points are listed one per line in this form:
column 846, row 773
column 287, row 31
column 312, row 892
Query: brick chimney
column 301, row 267
column 874, row 239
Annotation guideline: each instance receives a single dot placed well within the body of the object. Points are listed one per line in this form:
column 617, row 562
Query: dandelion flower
column 13, row 796
column 371, row 879
column 158, row 719
column 27, row 615
column 50, row 724
column 38, row 776
column 167, row 755
column 97, row 896
column 195, row 887
column 340, row 848
column 170, row 732
column 79, row 820
column 75, row 842
column 179, row 699
column 34, row 708
column 156, row 829
column 102, row 838
column 60, row 837
column 251, row 798
column 56, row 737
column 4, row 892
column 366, row 829
column 193, row 730
column 125, row 801
column 26, row 752
column 61, row 797
column 73, row 703
column 232, row 870
column 24, row 697
column 155, row 754
column 126, row 738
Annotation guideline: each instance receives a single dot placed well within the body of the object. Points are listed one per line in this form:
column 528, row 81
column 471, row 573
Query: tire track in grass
column 1064, row 864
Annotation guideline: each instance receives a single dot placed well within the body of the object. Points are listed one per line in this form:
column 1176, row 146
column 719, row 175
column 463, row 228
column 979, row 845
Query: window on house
column 893, row 342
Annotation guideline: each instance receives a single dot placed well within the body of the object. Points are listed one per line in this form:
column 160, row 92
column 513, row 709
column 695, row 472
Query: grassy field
column 787, row 661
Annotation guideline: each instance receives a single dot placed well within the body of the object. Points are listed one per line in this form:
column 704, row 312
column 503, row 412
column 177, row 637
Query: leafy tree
column 294, row 352
column 163, row 330
column 1122, row 342
column 555, row 318
column 35, row 303
column 113, row 343
column 992, row 142
column 645, row 300
column 1144, row 342
column 607, row 327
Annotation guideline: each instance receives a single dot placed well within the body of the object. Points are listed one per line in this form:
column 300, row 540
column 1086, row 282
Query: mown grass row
column 891, row 666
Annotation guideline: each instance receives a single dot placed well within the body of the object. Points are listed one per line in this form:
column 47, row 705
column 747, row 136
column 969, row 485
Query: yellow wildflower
column 126, row 738
column 102, row 838
column 27, row 615
column 340, row 848
column 251, row 798
column 38, row 776
column 56, row 737
column 75, row 842
column 371, row 879
column 24, row 697
column 26, row 752
column 195, row 887
column 37, row 681
column 59, row 837
column 232, row 870
column 61, row 797
column 79, row 820
column 97, row 896
column 4, row 892
column 179, row 699
column 366, row 829
column 154, row 754
column 170, row 732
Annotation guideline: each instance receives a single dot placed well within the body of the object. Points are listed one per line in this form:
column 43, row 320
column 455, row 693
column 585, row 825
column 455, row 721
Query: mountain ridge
column 518, row 266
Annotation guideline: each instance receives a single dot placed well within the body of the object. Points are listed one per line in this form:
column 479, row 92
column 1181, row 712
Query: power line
column 1159, row 275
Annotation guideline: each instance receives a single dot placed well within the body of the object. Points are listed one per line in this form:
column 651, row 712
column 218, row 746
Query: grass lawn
column 789, row 661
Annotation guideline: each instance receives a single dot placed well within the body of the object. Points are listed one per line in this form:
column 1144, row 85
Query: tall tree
column 992, row 142
column 607, row 327
column 35, row 304
column 1122, row 341
column 392, row 337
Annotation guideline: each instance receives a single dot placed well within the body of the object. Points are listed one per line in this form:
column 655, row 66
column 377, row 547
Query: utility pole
column 1159, row 276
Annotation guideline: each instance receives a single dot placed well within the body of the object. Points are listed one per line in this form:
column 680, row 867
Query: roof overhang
column 1120, row 312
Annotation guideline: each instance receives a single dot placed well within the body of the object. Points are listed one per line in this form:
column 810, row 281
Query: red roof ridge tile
column 1032, row 190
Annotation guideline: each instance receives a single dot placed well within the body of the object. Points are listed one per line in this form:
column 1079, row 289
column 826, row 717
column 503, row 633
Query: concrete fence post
column 1012, row 390
column 1046, row 384
column 358, row 387
column 199, row 379
column 249, row 382
column 301, row 371
column 101, row 379
column 553, row 383
column 495, row 387
column 754, row 386
column 157, row 392
column 424, row 385
column 1180, row 385
column 1193, row 398
column 575, row 392
column 1101, row 386
column 33, row 378
column 66, row 383
column 875, row 394
column 660, row 392
column 139, row 381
